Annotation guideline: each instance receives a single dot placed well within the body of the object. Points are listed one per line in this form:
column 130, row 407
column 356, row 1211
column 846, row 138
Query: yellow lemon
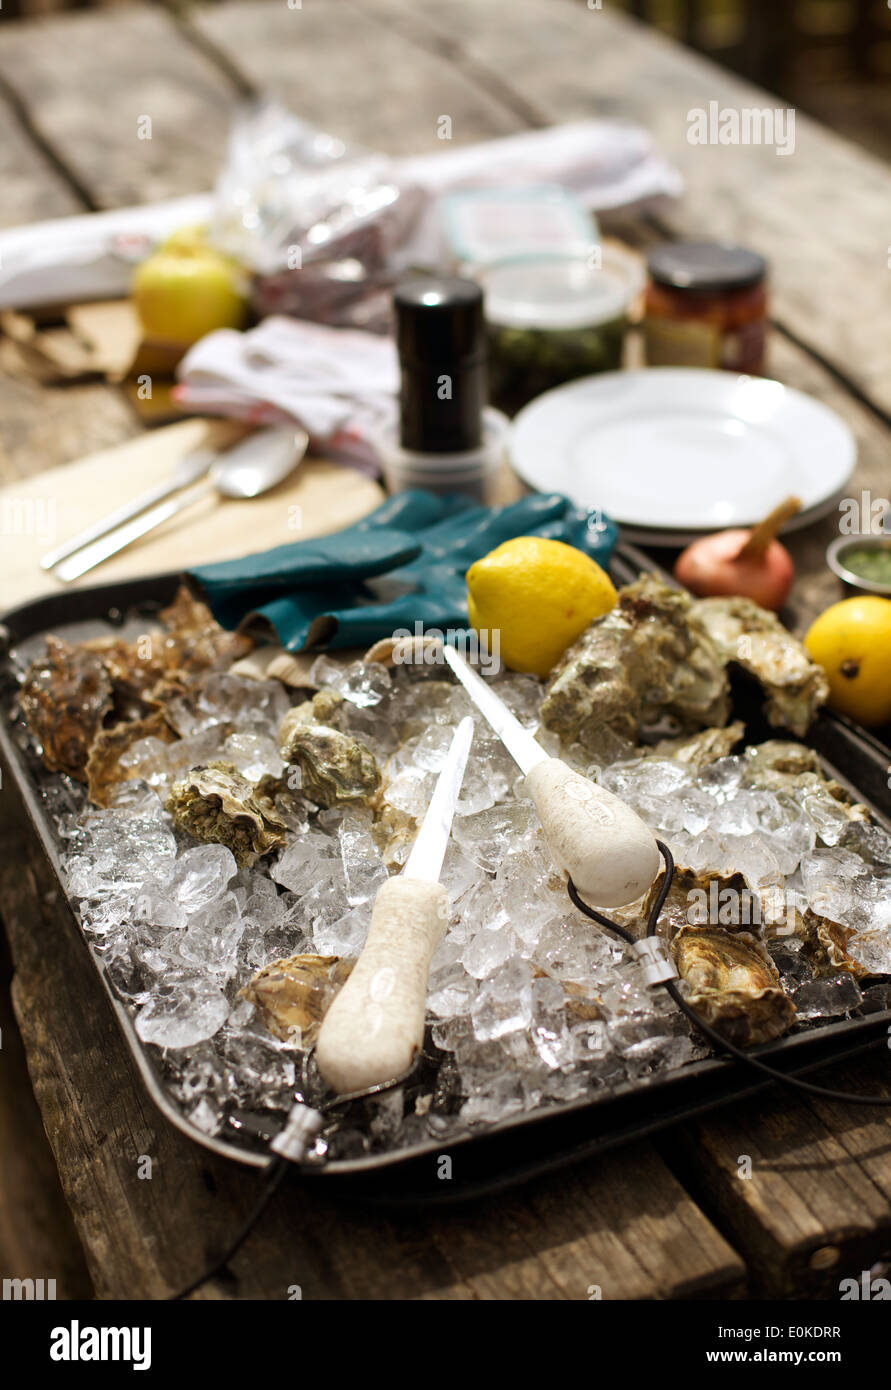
column 852, row 642
column 538, row 596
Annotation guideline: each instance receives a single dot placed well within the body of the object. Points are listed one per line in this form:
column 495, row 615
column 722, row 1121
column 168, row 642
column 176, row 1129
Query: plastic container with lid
column 706, row 306
column 554, row 318
column 473, row 472
column 486, row 225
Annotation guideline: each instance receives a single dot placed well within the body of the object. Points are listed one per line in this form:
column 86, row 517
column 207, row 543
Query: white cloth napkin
column 340, row 384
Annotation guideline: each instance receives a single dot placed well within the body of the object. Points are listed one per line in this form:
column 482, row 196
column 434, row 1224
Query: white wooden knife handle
column 376, row 1023
column 599, row 842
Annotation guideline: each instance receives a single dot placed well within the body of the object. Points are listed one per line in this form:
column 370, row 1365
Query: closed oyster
column 216, row 805
column 293, row 995
column 405, row 651
column 104, row 769
column 64, row 700
column 732, row 983
column 697, row 899
column 276, row 663
column 394, row 833
column 645, row 661
column 780, row 766
column 320, row 709
column 160, row 661
column 826, row 945
column 280, row 802
column 698, row 750
column 794, row 685
column 336, row 768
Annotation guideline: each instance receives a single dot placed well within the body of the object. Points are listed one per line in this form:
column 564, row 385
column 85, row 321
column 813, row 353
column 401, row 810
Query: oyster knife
column 594, row 837
column 375, row 1026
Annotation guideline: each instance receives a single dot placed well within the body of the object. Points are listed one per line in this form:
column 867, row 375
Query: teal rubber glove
column 402, row 567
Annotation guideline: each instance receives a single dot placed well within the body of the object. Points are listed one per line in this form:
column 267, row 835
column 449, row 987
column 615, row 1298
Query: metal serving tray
column 522, row 1146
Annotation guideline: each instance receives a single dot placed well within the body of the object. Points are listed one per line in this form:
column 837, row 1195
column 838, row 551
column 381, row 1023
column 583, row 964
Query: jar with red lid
column 706, row 306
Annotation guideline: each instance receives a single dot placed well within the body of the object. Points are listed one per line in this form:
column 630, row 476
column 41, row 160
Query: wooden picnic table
column 670, row 1218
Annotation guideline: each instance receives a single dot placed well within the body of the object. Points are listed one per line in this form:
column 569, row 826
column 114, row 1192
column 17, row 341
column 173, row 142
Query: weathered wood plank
column 335, row 66
column 32, row 188
column 43, row 427
column 91, row 81
column 37, row 1236
column 819, row 214
column 814, row 1204
column 623, row 1223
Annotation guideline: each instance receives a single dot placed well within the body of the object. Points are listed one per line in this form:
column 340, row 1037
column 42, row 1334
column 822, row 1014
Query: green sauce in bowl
column 872, row 563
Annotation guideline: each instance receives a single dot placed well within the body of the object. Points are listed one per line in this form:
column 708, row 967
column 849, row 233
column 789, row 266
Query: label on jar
column 690, row 343
column 682, row 343
column 742, row 349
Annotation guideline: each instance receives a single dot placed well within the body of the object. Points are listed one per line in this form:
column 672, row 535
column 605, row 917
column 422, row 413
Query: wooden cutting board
column 44, row 510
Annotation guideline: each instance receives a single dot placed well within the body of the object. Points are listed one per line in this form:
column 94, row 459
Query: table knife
column 594, row 838
column 188, row 470
column 375, row 1026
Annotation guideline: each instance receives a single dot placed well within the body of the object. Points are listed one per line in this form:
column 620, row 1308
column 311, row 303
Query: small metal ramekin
column 835, row 559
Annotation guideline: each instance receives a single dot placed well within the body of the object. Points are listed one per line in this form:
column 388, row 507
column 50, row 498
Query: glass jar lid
column 706, row 266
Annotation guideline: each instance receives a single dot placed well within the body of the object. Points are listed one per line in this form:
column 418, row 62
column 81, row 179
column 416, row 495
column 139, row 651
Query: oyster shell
column 160, row 661
column 794, row 685
column 293, row 995
column 733, row 984
column 645, row 660
column 826, row 945
column 103, row 764
column 394, row 832
column 405, row 651
column 277, row 663
column 699, row 749
column 336, row 767
column 280, row 802
column 779, row 766
column 698, row 899
column 64, row 700
column 216, row 805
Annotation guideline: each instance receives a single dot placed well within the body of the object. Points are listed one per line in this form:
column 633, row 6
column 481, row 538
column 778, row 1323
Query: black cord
column 846, row 1097
column 278, row 1166
column 276, row 1171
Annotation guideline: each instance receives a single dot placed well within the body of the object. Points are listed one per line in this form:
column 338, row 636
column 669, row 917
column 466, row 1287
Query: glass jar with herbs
column 552, row 319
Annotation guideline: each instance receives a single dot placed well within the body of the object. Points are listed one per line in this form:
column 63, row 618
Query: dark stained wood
column 817, row 1206
column 37, row 1236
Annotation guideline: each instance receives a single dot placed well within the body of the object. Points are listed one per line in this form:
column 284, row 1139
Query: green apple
column 186, row 289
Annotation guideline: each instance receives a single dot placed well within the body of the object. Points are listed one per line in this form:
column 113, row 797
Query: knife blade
column 375, row 1026
column 188, row 470
column 428, row 850
column 594, row 838
column 523, row 748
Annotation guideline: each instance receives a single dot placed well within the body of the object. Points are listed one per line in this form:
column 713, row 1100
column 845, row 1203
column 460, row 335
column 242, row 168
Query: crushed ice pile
column 529, row 1002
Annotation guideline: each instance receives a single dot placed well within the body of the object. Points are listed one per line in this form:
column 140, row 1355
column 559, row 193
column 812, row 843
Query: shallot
column 749, row 564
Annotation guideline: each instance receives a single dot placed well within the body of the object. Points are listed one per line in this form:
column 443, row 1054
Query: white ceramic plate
column 683, row 449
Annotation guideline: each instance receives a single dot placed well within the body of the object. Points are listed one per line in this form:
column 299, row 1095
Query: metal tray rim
column 130, row 594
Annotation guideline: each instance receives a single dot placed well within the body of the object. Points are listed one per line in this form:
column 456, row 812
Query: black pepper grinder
column 441, row 340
